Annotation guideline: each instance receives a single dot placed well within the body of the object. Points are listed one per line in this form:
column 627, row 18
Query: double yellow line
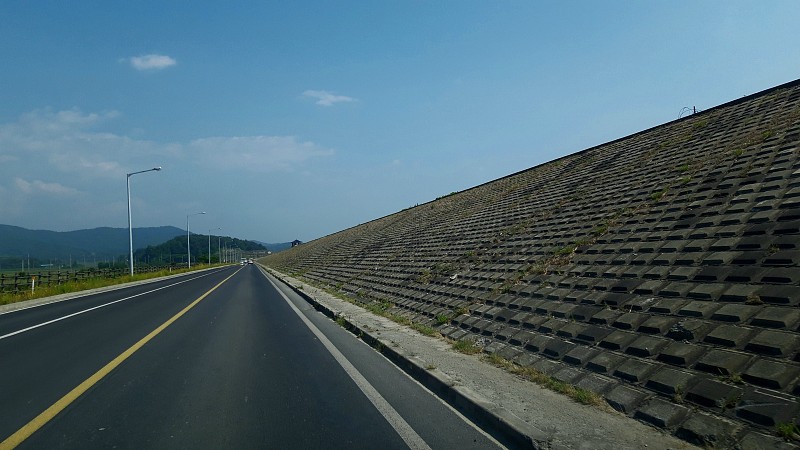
column 39, row 421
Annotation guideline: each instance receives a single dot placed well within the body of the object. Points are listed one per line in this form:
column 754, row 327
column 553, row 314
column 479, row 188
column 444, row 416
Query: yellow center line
column 39, row 421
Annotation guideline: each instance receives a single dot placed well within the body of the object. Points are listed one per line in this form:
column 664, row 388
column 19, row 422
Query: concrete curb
column 504, row 426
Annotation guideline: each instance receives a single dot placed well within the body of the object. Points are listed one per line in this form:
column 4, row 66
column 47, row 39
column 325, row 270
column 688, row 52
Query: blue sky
column 289, row 120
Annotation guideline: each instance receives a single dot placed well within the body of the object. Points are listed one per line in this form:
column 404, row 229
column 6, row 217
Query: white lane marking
column 409, row 436
column 466, row 420
column 58, row 319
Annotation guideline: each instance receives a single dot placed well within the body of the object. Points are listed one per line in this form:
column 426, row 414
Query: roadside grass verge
column 83, row 285
column 381, row 308
column 466, row 347
column 578, row 394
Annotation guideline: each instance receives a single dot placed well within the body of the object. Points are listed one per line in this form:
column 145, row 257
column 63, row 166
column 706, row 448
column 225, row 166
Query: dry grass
column 578, row 394
column 83, row 285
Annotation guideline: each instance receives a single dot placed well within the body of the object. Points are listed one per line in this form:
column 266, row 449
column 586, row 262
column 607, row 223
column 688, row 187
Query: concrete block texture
column 673, row 249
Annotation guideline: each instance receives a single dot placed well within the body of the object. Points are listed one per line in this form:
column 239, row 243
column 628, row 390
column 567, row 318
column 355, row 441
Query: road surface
column 227, row 358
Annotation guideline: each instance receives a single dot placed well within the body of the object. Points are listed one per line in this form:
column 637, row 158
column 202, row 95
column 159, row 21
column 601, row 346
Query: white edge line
column 466, row 420
column 409, row 436
column 33, row 327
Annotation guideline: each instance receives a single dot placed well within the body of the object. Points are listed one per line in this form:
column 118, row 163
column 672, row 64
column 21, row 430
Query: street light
column 188, row 245
column 209, row 243
column 130, row 226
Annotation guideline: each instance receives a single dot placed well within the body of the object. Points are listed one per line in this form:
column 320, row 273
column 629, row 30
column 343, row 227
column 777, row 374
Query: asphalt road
column 223, row 359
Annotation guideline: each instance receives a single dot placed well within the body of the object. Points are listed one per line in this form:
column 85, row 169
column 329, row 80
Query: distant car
column 249, row 261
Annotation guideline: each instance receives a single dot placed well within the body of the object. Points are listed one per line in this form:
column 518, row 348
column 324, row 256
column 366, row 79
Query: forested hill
column 175, row 249
column 100, row 242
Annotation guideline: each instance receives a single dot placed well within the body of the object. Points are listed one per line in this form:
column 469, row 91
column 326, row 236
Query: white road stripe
column 411, row 438
column 33, row 327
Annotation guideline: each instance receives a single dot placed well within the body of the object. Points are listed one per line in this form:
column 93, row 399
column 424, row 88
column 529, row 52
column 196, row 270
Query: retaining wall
column 660, row 269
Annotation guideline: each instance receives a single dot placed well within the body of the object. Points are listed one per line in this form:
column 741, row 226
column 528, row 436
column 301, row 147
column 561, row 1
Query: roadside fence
column 16, row 282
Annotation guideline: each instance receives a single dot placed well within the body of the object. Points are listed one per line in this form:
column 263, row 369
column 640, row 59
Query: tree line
column 174, row 250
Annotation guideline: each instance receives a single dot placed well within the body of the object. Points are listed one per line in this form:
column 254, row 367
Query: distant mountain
column 275, row 248
column 104, row 242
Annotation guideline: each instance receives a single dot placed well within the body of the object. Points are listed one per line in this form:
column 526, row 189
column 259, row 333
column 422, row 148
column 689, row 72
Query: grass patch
column 656, row 196
column 425, row 277
column 733, row 378
column 578, row 394
column 402, row 320
column 466, row 347
column 565, row 251
column 679, row 395
column 497, row 360
column 424, row 329
column 83, row 285
column 753, row 299
column 600, row 230
column 461, row 310
column 788, row 431
column 379, row 308
column 438, row 270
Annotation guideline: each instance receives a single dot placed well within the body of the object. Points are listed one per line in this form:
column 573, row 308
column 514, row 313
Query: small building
column 296, row 242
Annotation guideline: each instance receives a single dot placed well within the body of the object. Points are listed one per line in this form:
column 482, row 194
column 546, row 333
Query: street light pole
column 188, row 244
column 209, row 243
column 130, row 225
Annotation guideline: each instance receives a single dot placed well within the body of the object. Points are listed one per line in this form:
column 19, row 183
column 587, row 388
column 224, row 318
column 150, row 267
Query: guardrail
column 16, row 282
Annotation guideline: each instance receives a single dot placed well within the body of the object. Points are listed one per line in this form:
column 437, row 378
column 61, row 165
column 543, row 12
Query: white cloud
column 325, row 98
column 151, row 62
column 256, row 153
column 47, row 121
column 38, row 186
column 66, row 170
column 94, row 164
column 64, row 141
